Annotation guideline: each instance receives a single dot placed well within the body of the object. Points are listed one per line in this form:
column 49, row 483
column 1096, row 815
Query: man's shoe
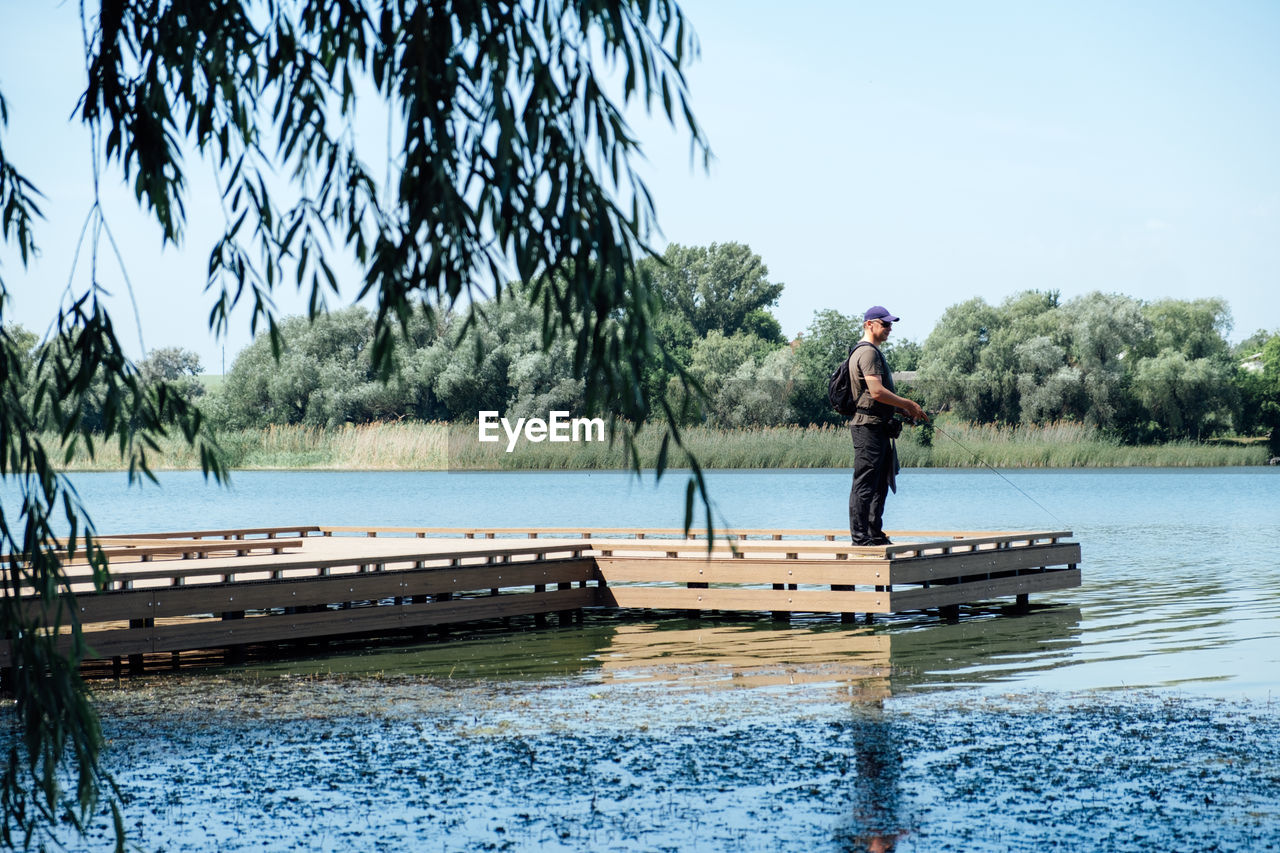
column 863, row 543
column 881, row 540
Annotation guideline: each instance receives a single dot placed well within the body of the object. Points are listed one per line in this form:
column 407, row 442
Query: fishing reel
column 911, row 422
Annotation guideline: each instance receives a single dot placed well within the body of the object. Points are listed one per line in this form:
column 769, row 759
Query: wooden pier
column 227, row 589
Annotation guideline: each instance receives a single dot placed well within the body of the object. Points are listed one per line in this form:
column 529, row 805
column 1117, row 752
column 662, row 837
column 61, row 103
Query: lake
column 1135, row 712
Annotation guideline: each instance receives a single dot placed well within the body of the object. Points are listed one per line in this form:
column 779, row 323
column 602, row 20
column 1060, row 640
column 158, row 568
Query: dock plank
column 982, row 590
column 739, row 599
column 621, row 569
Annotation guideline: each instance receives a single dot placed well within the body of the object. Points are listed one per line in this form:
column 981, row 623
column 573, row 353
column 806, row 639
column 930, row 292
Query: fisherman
column 874, row 428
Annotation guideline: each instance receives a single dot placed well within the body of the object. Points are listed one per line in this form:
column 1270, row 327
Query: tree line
column 1142, row 371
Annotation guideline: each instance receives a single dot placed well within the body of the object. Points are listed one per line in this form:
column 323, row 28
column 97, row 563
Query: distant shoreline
column 415, row 446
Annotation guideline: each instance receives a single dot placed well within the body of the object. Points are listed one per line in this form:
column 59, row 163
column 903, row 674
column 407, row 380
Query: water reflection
column 865, row 663
column 979, row 650
column 875, row 822
column 746, row 656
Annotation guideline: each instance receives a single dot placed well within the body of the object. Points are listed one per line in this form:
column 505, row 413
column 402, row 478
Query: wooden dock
column 228, row 589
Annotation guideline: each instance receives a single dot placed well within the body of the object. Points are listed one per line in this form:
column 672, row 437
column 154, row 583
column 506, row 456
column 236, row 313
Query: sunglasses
column 885, row 324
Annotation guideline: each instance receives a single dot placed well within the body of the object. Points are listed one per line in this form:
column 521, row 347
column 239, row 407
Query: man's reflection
column 875, row 824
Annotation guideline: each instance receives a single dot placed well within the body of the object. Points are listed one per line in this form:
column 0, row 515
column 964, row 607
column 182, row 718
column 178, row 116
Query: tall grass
column 1061, row 445
column 438, row 446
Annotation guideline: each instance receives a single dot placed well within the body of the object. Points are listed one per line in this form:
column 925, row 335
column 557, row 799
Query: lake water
column 1136, row 712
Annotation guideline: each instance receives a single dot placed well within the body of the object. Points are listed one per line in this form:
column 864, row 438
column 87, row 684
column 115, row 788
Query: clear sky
column 911, row 154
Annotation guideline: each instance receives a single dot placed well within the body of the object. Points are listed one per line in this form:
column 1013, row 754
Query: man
column 874, row 458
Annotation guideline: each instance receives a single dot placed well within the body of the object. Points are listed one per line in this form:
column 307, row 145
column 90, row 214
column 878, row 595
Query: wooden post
column 565, row 616
column 781, row 615
column 845, row 618
column 136, row 663
column 234, row 654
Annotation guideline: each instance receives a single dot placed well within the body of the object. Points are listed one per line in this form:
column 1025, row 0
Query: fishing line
column 998, row 474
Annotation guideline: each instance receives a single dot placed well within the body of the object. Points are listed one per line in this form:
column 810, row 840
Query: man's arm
column 881, row 394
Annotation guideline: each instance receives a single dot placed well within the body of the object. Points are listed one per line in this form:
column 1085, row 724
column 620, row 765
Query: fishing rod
column 932, row 423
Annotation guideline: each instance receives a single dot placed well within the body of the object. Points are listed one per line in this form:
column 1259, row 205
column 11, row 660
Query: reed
column 440, row 446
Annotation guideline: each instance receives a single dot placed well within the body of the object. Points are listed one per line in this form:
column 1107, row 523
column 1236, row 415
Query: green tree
column 675, row 338
column 511, row 155
column 178, row 367
column 1270, row 407
column 80, row 388
column 758, row 392
column 1001, row 372
column 1195, row 328
column 502, row 364
column 728, row 368
column 1103, row 333
column 1258, row 390
column 903, row 355
column 1049, row 388
column 1182, row 373
column 1143, row 371
column 1183, row 397
column 24, row 343
column 171, row 363
column 712, row 359
column 322, row 375
column 722, row 288
column 952, row 374
column 821, row 347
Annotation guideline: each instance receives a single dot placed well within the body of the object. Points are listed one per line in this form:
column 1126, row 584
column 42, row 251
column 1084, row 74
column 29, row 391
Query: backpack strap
column 877, row 409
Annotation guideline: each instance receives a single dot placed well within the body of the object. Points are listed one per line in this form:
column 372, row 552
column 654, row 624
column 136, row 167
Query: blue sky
column 910, row 154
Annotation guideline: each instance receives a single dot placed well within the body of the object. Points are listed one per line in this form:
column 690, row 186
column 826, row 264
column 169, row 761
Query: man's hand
column 914, row 411
column 881, row 394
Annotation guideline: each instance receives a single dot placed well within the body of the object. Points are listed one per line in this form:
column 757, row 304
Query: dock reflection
column 862, row 662
column 748, row 656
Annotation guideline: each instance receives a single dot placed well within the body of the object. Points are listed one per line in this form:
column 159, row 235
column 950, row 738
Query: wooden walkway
column 227, row 589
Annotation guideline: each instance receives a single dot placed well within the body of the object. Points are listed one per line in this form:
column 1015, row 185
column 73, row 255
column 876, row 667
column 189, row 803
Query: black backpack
column 840, row 393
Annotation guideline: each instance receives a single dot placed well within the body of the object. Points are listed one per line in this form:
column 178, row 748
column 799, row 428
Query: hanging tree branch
column 513, row 161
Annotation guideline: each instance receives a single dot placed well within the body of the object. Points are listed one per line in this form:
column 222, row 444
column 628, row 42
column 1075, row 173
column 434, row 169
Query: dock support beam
column 136, row 662
column 540, row 619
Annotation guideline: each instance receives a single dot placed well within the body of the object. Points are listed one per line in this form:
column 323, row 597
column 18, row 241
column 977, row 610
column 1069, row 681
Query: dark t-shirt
column 867, row 361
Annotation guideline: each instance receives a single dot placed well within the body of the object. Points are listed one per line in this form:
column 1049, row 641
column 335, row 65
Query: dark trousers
column 872, row 462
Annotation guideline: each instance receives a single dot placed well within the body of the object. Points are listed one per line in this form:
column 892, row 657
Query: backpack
column 840, row 388
column 840, row 392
